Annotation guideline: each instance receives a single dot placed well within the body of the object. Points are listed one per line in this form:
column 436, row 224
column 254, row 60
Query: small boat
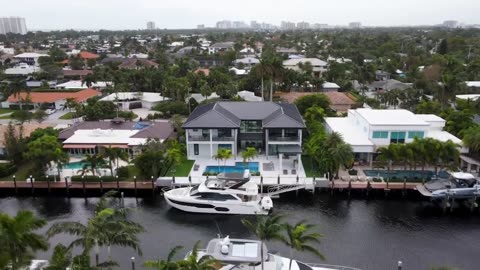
column 459, row 185
column 247, row 254
column 228, row 193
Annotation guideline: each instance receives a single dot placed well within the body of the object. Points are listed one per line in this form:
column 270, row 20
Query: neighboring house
column 247, row 61
column 133, row 100
column 28, row 128
column 381, row 75
column 220, row 47
column 475, row 85
column 209, row 61
column 472, row 97
column 77, row 84
column 389, row 84
column 56, row 100
column 23, row 69
column 318, row 66
column 339, row 102
column 69, row 73
column 30, row 59
column 200, row 98
column 239, row 72
column 330, row 87
column 271, row 128
column 87, row 137
column 88, row 55
column 249, row 96
column 366, row 130
column 38, row 84
column 130, row 63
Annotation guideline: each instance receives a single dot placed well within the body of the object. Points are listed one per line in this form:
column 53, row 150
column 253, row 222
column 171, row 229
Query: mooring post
column 153, row 186
column 135, row 185
column 83, row 186
column 31, row 184
column 189, row 180
column 261, row 184
column 369, row 186
column 67, row 187
column 404, row 186
column 296, row 192
column 118, row 182
column 15, row 184
column 278, row 180
column 173, row 179
column 48, row 184
column 133, row 262
column 453, row 202
column 399, row 265
column 101, row 184
column 349, row 188
column 332, row 187
column 314, row 185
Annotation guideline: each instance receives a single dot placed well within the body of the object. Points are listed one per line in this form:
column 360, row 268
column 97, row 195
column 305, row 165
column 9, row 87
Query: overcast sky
column 133, row 14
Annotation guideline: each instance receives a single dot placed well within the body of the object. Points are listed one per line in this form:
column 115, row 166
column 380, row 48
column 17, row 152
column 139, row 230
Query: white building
column 366, row 130
column 318, row 66
column 29, row 58
column 249, row 96
column 125, row 100
column 14, row 25
column 150, row 25
column 76, row 84
column 5, row 50
column 22, row 69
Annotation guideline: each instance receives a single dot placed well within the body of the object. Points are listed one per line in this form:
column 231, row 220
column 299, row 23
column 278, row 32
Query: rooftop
column 129, row 96
column 349, row 131
column 88, row 55
column 49, row 97
column 77, row 84
column 30, row 55
column 390, row 117
column 296, row 61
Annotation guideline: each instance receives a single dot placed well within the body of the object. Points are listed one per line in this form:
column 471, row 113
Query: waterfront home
column 27, row 129
column 54, row 99
column 87, row 137
column 133, row 100
column 367, row 129
column 318, row 66
column 274, row 129
column 78, row 84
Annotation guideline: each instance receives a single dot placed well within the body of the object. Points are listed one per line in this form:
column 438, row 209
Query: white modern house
column 22, row 69
column 125, row 100
column 367, row 129
column 318, row 66
column 77, row 84
column 29, row 58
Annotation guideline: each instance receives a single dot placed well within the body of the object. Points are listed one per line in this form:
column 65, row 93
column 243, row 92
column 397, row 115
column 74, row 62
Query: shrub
column 169, row 108
column 122, row 171
column 91, row 178
column 7, row 169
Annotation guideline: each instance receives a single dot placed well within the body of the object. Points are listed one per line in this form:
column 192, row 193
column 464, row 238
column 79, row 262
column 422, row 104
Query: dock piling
column 67, row 188
column 261, row 184
column 48, row 184
column 400, row 264
column 83, row 186
column 153, row 186
column 135, row 184
column 15, row 184
column 101, row 184
column 118, row 182
column 31, row 184
column 404, row 191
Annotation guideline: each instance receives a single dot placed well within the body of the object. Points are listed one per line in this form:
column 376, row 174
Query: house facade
column 318, row 66
column 366, row 130
column 272, row 128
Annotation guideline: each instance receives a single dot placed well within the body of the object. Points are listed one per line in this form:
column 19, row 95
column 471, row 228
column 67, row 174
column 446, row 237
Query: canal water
column 368, row 234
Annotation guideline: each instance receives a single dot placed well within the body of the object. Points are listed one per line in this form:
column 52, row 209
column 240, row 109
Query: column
column 280, row 157
column 211, row 144
column 235, row 150
column 370, row 159
column 186, row 143
column 300, row 136
column 299, row 158
column 266, row 143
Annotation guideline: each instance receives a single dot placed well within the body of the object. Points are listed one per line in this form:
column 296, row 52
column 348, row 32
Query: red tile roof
column 88, row 55
column 49, row 97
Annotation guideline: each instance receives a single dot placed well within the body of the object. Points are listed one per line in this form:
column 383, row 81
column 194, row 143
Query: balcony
column 283, row 139
column 223, row 139
column 198, row 138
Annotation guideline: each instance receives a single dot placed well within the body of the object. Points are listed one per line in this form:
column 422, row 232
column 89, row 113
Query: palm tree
column 175, row 153
column 223, row 154
column 192, row 262
column 61, row 258
column 249, row 154
column 167, row 264
column 18, row 240
column 263, row 69
column 314, row 115
column 109, row 226
column 299, row 237
column 388, row 154
column 92, row 163
column 114, row 155
column 265, row 229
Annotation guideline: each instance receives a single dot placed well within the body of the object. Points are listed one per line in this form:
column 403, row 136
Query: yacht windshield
column 194, row 190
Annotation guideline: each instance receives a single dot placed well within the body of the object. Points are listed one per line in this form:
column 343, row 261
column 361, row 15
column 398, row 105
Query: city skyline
column 187, row 14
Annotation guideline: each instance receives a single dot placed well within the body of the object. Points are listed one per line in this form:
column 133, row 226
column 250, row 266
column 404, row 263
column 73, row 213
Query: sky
column 175, row 14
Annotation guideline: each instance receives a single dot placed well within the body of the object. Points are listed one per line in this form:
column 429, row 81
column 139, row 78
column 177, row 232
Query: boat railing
column 332, row 266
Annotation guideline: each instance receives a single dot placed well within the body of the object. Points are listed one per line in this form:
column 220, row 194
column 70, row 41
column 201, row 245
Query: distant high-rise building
column 450, row 24
column 14, row 25
column 239, row 25
column 287, row 25
column 201, row 26
column 224, row 24
column 303, row 25
column 150, row 25
column 355, row 25
column 255, row 25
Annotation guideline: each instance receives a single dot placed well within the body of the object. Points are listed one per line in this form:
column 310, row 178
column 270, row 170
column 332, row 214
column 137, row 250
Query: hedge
column 7, row 169
column 91, row 178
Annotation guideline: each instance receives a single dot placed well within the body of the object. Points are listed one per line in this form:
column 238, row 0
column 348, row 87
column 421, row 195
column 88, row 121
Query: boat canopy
column 236, row 251
column 462, row 175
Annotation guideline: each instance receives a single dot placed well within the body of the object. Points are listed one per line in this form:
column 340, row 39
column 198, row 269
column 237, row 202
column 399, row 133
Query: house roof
column 223, row 45
column 81, row 72
column 30, row 55
column 390, row 117
column 49, row 97
column 390, row 84
column 313, row 61
column 227, row 114
column 88, row 55
column 132, row 63
column 28, row 128
column 130, row 96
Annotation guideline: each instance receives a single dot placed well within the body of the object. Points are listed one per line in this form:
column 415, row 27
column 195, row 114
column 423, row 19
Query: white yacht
column 459, row 185
column 228, row 193
column 247, row 254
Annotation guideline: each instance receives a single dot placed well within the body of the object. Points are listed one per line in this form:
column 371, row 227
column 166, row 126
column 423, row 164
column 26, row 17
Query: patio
column 270, row 167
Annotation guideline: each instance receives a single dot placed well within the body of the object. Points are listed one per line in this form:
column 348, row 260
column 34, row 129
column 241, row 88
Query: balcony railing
column 199, row 138
column 223, row 139
column 283, row 139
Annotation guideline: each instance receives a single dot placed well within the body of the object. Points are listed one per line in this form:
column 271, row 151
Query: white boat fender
column 266, row 203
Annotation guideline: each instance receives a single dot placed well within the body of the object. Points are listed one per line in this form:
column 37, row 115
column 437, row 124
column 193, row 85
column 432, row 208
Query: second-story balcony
column 193, row 138
column 223, row 139
column 283, row 139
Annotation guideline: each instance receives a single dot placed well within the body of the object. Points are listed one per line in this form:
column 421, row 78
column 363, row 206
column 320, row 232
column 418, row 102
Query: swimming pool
column 74, row 165
column 401, row 174
column 239, row 167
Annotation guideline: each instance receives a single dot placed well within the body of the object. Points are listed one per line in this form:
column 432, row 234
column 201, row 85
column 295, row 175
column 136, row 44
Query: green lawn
column 181, row 170
column 23, row 172
column 67, row 116
column 5, row 110
column 310, row 169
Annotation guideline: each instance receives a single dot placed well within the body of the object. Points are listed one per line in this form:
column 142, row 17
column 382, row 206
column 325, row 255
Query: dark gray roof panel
column 211, row 119
column 250, row 110
column 227, row 114
column 283, row 121
column 292, row 111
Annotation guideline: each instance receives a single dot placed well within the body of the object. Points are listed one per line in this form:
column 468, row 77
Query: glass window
column 418, row 134
column 225, row 146
column 251, row 126
column 380, row 135
column 224, row 132
column 195, row 149
column 289, row 132
column 397, row 137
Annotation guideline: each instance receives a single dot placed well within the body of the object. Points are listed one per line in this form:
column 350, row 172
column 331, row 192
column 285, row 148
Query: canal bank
column 369, row 234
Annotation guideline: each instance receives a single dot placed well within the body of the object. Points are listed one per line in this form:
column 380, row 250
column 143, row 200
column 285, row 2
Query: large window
column 380, row 135
column 418, row 134
column 196, row 149
column 224, row 132
column 397, row 137
column 225, row 146
column 251, row 126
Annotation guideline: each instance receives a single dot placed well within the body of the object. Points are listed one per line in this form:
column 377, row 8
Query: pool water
column 239, row 167
column 400, row 174
column 74, row 165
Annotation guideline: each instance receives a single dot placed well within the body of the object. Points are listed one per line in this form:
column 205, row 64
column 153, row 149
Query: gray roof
column 390, row 84
column 155, row 130
column 223, row 45
column 228, row 114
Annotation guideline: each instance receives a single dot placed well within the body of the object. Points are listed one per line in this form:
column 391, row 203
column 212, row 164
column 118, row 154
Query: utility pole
column 469, row 52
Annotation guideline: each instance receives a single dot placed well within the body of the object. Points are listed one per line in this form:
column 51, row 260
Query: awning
column 122, row 146
column 289, row 149
column 84, row 146
column 469, row 160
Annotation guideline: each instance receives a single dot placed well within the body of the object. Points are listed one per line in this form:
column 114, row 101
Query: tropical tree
column 389, row 154
column 314, row 117
column 43, row 151
column 265, row 229
column 175, row 153
column 92, row 163
column 223, row 154
column 61, row 258
column 471, row 138
column 114, row 155
column 192, row 262
column 152, row 160
column 167, row 264
column 299, row 238
column 249, row 154
column 19, row 240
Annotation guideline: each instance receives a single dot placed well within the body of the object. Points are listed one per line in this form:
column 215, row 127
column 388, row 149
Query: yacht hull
column 180, row 200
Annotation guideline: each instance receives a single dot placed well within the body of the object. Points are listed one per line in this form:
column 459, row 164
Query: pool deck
column 287, row 164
